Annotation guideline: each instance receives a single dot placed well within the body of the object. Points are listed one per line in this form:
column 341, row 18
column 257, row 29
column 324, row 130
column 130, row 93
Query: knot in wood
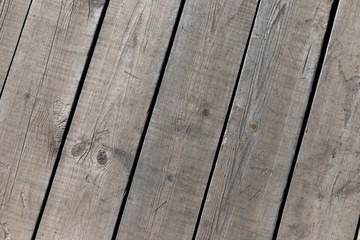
column 253, row 127
column 102, row 157
column 205, row 112
column 78, row 149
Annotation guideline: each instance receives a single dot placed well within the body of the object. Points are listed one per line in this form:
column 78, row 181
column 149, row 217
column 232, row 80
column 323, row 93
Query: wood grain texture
column 265, row 121
column 12, row 17
column 324, row 197
column 179, row 147
column 35, row 105
column 88, row 188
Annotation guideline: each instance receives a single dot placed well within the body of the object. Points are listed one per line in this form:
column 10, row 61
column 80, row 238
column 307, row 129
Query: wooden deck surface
column 179, row 119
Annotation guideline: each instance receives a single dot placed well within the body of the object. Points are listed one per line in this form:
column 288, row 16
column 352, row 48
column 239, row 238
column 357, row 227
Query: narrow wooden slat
column 324, row 197
column 35, row 105
column 259, row 144
column 185, row 127
column 89, row 185
column 12, row 17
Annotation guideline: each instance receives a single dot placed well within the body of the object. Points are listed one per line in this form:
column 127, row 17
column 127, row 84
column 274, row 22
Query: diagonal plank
column 35, row 105
column 180, row 144
column 259, row 143
column 324, row 197
column 89, row 184
column 12, row 17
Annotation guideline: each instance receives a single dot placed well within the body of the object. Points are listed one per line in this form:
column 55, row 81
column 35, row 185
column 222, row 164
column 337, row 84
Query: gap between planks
column 71, row 114
column 147, row 121
column 114, row 58
column 357, row 236
column 15, row 49
column 323, row 196
column 324, row 49
column 221, row 139
column 31, row 135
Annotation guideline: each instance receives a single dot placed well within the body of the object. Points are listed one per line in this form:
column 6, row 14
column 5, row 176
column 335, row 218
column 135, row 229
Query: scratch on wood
column 160, row 206
column 132, row 75
column 272, row 110
column 23, row 200
column 253, row 196
column 289, row 53
column 3, row 165
column 306, row 59
column 7, row 233
column 280, row 13
column 264, row 171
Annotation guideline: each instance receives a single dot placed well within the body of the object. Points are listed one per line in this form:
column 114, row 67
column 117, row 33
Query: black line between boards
column 147, row 122
column 71, row 114
column 322, row 56
column 231, row 103
column 356, row 236
column 16, row 47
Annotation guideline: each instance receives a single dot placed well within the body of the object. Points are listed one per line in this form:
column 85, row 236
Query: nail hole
column 205, row 112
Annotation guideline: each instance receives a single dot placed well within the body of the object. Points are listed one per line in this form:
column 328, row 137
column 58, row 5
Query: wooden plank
column 88, row 188
column 12, row 17
column 259, row 143
column 180, row 144
column 323, row 201
column 35, row 105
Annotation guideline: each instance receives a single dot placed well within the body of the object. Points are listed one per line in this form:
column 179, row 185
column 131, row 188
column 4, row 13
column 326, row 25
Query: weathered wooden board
column 35, row 105
column 324, row 197
column 180, row 144
column 261, row 136
column 12, row 17
column 88, row 188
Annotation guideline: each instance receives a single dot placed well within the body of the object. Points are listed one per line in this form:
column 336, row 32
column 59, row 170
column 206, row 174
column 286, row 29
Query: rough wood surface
column 324, row 197
column 88, row 188
column 181, row 140
column 259, row 144
column 12, row 16
column 35, row 105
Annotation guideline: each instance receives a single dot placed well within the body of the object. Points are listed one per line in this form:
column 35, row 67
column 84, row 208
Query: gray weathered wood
column 324, row 197
column 259, row 144
column 35, row 105
column 12, row 16
column 88, row 188
column 185, row 127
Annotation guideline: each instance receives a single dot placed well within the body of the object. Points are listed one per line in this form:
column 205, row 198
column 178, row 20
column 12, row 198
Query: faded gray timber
column 35, row 106
column 185, row 127
column 12, row 16
column 259, row 144
column 89, row 185
column 323, row 202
